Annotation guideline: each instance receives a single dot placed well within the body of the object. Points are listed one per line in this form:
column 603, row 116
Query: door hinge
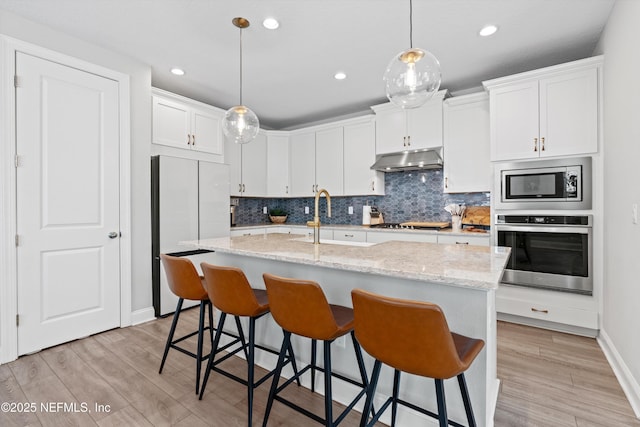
column 17, row 320
column 17, row 161
column 17, row 240
column 16, row 81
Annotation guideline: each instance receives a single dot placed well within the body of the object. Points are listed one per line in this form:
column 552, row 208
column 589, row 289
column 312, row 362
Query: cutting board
column 477, row 215
column 426, row 224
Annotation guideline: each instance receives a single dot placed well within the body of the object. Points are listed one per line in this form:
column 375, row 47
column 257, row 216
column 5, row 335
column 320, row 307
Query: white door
column 67, row 203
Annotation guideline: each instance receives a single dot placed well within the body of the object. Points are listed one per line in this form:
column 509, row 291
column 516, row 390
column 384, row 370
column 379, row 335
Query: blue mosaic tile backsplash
column 410, row 196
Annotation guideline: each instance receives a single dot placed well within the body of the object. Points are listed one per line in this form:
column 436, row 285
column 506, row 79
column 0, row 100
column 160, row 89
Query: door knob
column 113, row 235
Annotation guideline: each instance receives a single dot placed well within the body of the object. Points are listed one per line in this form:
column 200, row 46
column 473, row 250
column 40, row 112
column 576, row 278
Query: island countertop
column 477, row 267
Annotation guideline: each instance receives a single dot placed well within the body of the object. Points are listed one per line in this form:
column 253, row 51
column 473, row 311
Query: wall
column 140, row 88
column 621, row 300
column 411, row 195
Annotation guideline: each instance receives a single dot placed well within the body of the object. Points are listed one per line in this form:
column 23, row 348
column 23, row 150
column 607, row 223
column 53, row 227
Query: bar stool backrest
column 410, row 336
column 300, row 307
column 230, row 290
column 183, row 278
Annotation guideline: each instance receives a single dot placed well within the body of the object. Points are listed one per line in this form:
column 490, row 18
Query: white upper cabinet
column 330, row 160
column 277, row 164
column 467, row 167
column 248, row 167
column 359, row 155
column 302, row 164
column 183, row 123
column 549, row 112
column 411, row 129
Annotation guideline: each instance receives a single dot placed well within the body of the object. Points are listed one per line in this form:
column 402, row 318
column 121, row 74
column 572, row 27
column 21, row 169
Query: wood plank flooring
column 548, row 379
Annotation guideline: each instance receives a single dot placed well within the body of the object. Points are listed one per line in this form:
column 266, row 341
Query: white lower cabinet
column 467, row 239
column 350, row 235
column 386, row 236
column 562, row 309
column 247, row 232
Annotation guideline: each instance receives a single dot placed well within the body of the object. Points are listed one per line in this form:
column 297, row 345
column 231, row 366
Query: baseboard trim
column 142, row 316
column 628, row 383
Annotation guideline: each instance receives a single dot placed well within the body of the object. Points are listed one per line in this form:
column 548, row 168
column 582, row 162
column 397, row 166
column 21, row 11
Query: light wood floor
column 548, row 379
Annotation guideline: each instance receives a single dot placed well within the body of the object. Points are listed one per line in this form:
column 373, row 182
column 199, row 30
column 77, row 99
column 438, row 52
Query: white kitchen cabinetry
column 412, row 129
column 466, row 239
column 302, row 163
column 277, row 164
column 248, row 167
column 548, row 112
column 551, row 309
column 329, row 148
column 467, row 165
column 183, row 123
column 386, row 236
column 359, row 155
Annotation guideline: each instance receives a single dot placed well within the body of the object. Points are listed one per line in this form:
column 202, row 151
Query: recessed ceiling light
column 270, row 23
column 177, row 71
column 339, row 75
column 488, row 30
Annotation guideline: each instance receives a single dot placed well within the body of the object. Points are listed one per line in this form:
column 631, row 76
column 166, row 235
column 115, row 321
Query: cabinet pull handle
column 348, row 235
column 535, row 310
column 188, row 139
column 286, row 189
column 446, row 182
column 404, row 141
column 193, row 140
column 246, row 234
column 243, row 189
column 313, row 188
column 373, row 186
column 462, row 243
column 542, row 141
column 409, row 141
column 535, row 144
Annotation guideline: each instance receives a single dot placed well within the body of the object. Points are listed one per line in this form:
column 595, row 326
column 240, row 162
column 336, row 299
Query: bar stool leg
column 241, row 335
column 212, row 355
column 210, row 321
column 396, row 389
column 442, row 405
column 467, row 402
column 314, row 347
column 203, row 307
column 328, row 405
column 171, row 332
column 371, row 390
column 250, row 373
column 286, row 343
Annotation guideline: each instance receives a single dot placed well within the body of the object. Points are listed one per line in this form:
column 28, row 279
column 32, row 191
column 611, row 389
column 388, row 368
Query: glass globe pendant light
column 413, row 76
column 240, row 124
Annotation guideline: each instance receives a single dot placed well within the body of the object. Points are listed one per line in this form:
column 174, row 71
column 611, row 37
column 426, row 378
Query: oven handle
column 541, row 229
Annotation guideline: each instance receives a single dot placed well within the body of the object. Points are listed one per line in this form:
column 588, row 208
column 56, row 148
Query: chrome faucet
column 316, row 218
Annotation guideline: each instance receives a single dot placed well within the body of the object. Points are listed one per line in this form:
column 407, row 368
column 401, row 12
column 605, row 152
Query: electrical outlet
column 350, row 210
column 341, row 342
column 264, row 210
column 634, row 213
column 306, row 209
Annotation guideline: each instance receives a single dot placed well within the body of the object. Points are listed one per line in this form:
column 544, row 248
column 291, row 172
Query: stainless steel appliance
column 189, row 201
column 548, row 251
column 544, row 184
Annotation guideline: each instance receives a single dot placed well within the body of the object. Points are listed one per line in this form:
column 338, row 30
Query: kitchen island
column 461, row 279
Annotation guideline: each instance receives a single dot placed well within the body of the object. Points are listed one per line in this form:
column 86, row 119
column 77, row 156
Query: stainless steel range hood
column 412, row 160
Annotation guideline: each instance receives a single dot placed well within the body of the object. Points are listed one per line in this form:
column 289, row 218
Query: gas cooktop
column 412, row 225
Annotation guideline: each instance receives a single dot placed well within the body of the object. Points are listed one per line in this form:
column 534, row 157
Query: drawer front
column 464, row 240
column 350, row 235
column 380, row 237
column 548, row 312
column 247, row 232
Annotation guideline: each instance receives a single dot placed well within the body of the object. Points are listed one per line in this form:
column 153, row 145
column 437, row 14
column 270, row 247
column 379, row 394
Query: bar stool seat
column 301, row 308
column 232, row 294
column 412, row 336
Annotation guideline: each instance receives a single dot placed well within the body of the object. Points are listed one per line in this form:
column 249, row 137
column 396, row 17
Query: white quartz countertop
column 477, row 267
column 345, row 227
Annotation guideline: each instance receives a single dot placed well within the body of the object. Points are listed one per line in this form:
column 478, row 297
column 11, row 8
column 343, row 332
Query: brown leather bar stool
column 185, row 283
column 232, row 294
column 300, row 307
column 412, row 336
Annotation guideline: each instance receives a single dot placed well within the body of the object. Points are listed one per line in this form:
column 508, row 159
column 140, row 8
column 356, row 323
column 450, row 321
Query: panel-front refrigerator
column 190, row 201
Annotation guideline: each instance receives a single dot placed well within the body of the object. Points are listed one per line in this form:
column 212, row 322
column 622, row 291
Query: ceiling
column 288, row 73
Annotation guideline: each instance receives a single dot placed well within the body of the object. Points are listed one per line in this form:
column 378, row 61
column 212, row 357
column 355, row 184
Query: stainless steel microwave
column 544, row 184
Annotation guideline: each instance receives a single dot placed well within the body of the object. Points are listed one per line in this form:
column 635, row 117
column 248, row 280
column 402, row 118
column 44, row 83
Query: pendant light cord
column 411, row 24
column 240, row 66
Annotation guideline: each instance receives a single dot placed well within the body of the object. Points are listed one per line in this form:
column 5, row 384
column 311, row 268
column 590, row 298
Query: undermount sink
column 335, row 242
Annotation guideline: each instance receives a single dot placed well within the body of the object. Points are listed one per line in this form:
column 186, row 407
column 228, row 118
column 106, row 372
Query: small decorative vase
column 278, row 219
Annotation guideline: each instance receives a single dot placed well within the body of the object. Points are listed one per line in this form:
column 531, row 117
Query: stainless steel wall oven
column 548, row 251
